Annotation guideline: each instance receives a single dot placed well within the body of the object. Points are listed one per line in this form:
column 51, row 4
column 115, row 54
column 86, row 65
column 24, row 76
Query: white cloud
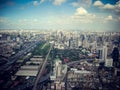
column 83, row 3
column 35, row 3
column 83, row 16
column 118, row 4
column 117, row 7
column 98, row 3
column 114, row 8
column 109, row 17
column 108, row 6
column 58, row 2
column 81, row 11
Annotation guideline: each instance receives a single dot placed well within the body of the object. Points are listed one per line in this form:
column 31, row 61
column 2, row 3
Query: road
column 24, row 86
column 42, row 69
column 74, row 62
column 14, row 58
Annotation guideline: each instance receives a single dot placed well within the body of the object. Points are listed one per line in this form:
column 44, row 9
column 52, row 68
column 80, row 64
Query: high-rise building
column 102, row 52
column 109, row 62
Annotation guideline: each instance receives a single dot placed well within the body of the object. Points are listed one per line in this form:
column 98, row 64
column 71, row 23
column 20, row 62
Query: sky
column 89, row 15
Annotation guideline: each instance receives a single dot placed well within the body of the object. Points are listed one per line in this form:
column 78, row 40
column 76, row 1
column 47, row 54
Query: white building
column 58, row 67
column 57, row 70
column 102, row 52
column 109, row 62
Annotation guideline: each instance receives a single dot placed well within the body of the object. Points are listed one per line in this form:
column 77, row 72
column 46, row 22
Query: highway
column 42, row 69
column 14, row 58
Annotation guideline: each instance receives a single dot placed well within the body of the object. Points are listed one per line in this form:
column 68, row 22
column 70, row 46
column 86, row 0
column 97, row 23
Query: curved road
column 73, row 62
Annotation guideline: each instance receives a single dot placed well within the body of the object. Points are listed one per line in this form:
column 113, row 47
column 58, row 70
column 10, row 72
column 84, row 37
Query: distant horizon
column 39, row 30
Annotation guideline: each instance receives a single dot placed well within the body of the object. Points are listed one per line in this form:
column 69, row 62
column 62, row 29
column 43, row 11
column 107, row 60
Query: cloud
column 108, row 6
column 81, row 11
column 82, row 3
column 58, row 2
column 109, row 17
column 114, row 8
column 55, row 2
column 83, row 16
column 118, row 4
column 98, row 4
column 117, row 7
column 36, row 3
column 103, row 6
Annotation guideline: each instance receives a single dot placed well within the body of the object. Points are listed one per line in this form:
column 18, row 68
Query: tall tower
column 104, row 53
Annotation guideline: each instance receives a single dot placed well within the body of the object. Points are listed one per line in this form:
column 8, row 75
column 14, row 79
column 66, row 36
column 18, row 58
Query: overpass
column 39, row 75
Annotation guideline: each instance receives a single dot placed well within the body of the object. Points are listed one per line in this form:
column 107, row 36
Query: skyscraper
column 104, row 53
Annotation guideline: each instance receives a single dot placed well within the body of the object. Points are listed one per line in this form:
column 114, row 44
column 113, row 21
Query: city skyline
column 91, row 15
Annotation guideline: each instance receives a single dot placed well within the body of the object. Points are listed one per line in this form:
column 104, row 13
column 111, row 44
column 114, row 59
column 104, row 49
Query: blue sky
column 89, row 15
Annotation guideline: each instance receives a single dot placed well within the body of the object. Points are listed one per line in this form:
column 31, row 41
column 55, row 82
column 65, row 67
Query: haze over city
column 89, row 15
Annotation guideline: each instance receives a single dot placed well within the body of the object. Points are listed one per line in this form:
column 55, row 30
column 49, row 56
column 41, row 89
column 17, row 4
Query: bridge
column 39, row 75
